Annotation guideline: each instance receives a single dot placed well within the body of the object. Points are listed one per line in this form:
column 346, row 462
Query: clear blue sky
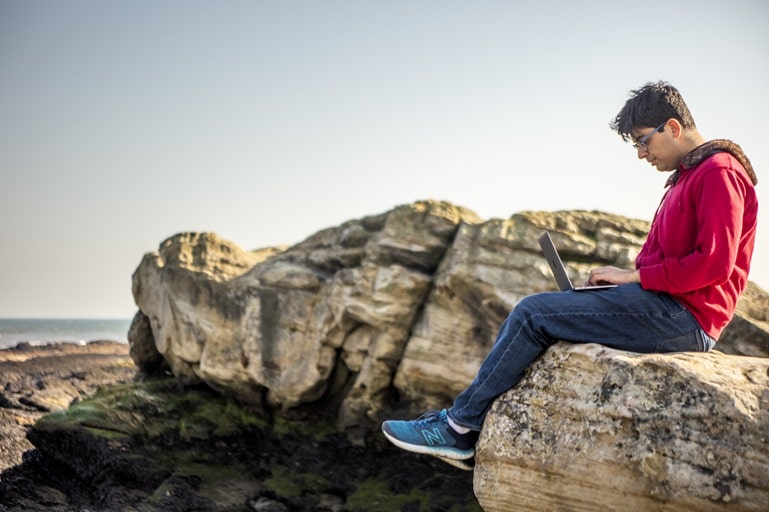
column 125, row 122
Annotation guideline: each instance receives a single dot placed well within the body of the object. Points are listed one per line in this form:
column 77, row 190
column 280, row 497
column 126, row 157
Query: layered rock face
column 400, row 296
column 390, row 314
column 342, row 302
column 591, row 428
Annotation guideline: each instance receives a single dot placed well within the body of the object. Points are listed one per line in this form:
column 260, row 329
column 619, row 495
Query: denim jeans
column 626, row 318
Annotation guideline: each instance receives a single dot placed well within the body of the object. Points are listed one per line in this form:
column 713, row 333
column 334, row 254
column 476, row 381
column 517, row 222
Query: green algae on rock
column 166, row 445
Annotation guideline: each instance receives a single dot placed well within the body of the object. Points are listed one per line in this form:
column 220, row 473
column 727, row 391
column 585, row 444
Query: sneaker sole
column 465, row 464
column 442, row 453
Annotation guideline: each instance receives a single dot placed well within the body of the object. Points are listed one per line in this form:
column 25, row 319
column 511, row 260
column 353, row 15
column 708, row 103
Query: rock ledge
column 591, row 428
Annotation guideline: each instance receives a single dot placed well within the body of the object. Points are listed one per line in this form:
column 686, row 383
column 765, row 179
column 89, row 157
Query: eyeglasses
column 641, row 143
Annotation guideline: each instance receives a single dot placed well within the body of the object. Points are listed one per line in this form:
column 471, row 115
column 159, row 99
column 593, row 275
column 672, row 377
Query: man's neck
column 690, row 140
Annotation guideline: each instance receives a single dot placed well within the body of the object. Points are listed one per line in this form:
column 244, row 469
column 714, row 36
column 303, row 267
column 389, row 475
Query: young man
column 683, row 292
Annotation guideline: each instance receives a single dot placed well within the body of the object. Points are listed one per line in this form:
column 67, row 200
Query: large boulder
column 340, row 304
column 486, row 271
column 405, row 303
column 392, row 314
column 591, row 428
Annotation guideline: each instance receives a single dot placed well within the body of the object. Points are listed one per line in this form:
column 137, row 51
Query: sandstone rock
column 345, row 297
column 746, row 333
column 142, row 349
column 590, row 428
column 487, row 270
column 405, row 303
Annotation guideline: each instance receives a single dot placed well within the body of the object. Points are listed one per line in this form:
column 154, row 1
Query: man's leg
column 626, row 317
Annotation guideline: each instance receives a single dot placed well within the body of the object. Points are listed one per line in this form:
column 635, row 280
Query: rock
column 166, row 445
column 746, row 333
column 344, row 300
column 591, row 428
column 360, row 311
column 38, row 379
column 385, row 316
column 392, row 314
column 487, row 270
column 142, row 349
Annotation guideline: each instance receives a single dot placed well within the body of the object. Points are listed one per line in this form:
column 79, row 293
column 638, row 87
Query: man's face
column 654, row 144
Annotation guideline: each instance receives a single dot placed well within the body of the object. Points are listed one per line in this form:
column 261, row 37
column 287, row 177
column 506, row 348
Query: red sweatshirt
column 701, row 241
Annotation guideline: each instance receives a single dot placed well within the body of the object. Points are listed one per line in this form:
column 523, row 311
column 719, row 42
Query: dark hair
column 650, row 106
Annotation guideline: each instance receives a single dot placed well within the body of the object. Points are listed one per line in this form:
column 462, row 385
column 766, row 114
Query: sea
column 41, row 331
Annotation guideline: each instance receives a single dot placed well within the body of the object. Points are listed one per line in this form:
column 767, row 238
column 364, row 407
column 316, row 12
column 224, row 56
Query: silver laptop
column 559, row 271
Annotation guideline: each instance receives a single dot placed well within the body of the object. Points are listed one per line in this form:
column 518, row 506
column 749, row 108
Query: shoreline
column 24, row 350
column 39, row 379
column 43, row 331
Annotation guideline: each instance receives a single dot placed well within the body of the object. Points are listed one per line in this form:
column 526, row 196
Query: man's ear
column 676, row 130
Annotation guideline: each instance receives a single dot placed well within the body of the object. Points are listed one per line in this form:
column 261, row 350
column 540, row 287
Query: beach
column 39, row 378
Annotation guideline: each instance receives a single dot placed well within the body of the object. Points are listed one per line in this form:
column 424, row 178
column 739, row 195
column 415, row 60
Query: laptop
column 559, row 271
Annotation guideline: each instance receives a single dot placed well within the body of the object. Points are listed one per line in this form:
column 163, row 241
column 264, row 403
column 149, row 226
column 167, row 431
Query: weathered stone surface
column 38, row 379
column 746, row 333
column 487, row 270
column 394, row 313
column 590, row 428
column 406, row 301
column 344, row 299
column 391, row 314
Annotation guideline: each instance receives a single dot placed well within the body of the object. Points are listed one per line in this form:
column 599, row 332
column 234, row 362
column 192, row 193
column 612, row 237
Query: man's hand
column 612, row 275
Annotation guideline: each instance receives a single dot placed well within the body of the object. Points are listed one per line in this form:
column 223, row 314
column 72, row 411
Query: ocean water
column 39, row 331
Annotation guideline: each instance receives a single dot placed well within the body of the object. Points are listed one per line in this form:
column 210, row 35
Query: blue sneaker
column 431, row 434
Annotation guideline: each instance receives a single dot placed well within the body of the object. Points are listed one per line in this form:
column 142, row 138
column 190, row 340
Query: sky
column 124, row 122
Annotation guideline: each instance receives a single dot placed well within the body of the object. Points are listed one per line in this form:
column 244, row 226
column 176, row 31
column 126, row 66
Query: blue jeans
column 626, row 318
